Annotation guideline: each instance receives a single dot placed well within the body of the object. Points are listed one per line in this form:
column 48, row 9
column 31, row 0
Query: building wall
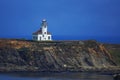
column 35, row 37
column 42, row 37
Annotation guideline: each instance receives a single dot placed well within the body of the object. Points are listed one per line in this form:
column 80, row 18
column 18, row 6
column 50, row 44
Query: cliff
column 23, row 55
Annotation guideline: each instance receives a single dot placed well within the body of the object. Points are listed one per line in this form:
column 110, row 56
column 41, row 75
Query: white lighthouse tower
column 42, row 34
column 44, row 29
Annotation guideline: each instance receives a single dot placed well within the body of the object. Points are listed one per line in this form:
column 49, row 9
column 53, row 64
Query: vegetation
column 116, row 55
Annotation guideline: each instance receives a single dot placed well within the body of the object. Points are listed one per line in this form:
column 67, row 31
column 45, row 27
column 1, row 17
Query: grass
column 116, row 55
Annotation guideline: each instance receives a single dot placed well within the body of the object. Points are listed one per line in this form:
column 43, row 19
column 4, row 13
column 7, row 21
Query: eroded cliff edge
column 22, row 55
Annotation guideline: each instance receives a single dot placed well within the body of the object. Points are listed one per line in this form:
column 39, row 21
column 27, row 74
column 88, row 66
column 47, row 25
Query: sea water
column 55, row 76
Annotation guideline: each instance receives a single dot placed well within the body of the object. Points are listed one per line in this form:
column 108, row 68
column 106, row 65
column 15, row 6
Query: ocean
column 56, row 76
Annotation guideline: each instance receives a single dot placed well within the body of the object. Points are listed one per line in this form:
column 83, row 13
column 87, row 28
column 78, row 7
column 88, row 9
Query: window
column 45, row 26
column 36, row 38
column 44, row 32
column 49, row 37
column 40, row 38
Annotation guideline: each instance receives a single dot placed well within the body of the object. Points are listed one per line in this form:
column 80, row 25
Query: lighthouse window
column 36, row 38
column 49, row 37
column 40, row 38
column 44, row 32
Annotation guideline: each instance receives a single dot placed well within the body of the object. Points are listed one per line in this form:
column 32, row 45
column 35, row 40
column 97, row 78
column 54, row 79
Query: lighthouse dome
column 44, row 20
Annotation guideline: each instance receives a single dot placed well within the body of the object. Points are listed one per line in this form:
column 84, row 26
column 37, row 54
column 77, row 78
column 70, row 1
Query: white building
column 42, row 34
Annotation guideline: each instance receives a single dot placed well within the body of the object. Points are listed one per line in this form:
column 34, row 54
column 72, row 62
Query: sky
column 73, row 18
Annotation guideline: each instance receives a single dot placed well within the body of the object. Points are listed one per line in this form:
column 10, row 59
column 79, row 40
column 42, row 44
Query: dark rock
column 116, row 76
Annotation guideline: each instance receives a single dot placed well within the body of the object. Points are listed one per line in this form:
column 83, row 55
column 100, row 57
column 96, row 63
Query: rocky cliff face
column 21, row 55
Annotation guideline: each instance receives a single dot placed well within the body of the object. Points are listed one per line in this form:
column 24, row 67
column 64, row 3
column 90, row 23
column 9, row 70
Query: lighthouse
column 42, row 34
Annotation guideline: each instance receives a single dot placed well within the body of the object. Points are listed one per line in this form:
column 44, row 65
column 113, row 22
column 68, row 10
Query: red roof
column 39, row 32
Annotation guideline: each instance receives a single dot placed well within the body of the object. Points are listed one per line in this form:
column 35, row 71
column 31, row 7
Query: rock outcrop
column 23, row 55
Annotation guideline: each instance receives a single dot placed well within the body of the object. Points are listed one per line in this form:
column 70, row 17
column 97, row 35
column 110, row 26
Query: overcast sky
column 64, row 17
